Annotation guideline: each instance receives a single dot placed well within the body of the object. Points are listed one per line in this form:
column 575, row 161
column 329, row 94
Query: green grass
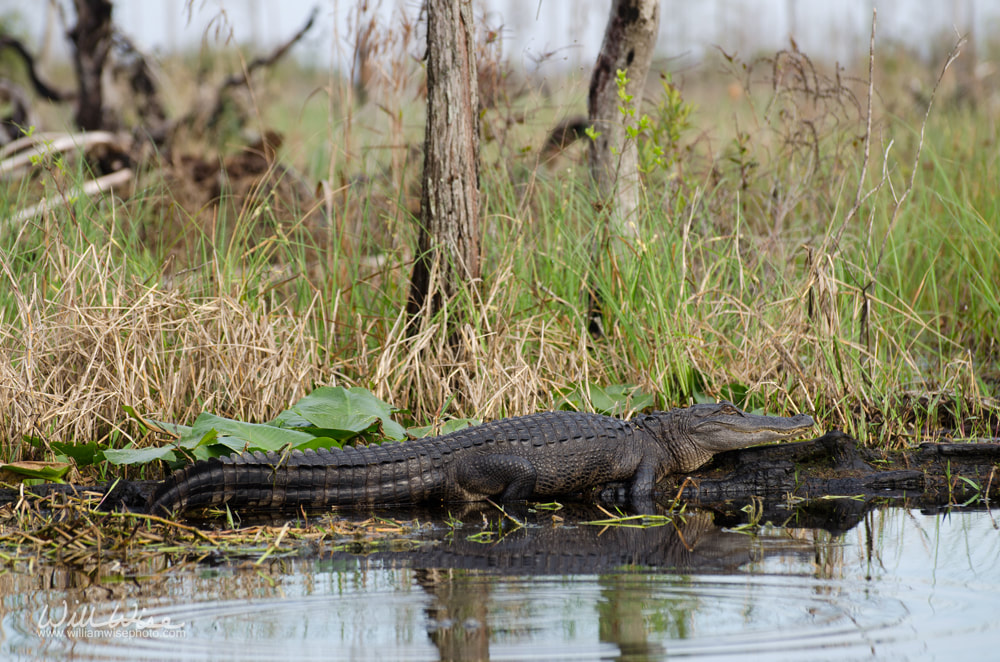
column 735, row 284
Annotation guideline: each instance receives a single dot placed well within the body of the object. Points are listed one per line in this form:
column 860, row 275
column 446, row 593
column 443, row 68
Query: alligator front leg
column 641, row 488
column 511, row 476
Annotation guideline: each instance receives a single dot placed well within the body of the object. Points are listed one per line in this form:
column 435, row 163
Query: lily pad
column 342, row 413
column 209, row 429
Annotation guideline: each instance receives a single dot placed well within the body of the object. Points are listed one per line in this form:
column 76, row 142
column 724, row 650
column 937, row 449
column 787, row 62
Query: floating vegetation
column 643, row 521
column 69, row 531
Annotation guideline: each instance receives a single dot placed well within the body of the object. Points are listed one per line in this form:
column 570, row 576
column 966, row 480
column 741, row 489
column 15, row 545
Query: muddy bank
column 783, row 481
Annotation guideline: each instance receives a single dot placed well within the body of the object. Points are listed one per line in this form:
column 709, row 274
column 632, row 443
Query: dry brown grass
column 77, row 354
column 502, row 364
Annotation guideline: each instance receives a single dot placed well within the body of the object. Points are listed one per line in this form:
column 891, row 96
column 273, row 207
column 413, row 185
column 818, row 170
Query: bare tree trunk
column 448, row 256
column 91, row 37
column 629, row 41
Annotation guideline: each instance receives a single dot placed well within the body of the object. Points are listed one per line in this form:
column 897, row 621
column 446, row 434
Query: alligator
column 541, row 455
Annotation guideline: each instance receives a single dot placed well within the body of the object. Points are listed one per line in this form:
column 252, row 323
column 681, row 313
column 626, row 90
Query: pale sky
column 569, row 30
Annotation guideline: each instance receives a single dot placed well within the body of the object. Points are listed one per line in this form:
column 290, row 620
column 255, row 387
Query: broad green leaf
column 290, row 419
column 138, row 455
column 393, row 430
column 254, row 435
column 450, row 425
column 53, row 471
column 325, row 418
column 339, row 435
column 225, row 446
column 175, row 456
column 82, row 454
column 319, row 442
column 349, row 411
column 193, row 439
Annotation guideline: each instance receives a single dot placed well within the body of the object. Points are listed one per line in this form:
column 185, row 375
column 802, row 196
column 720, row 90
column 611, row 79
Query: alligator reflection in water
column 561, row 545
column 457, row 617
column 620, row 556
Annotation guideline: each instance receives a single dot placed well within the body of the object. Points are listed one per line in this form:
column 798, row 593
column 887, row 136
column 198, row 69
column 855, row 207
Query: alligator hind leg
column 510, row 476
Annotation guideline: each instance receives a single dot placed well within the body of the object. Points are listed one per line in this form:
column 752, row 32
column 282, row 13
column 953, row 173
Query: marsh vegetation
column 801, row 247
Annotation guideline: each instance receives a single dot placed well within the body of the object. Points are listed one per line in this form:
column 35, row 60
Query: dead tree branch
column 91, row 38
column 42, row 89
column 237, row 80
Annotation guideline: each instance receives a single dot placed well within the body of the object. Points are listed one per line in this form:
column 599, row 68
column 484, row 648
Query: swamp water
column 898, row 584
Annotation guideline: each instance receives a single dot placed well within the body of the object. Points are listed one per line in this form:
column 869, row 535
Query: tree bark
column 448, row 253
column 91, row 37
column 629, row 41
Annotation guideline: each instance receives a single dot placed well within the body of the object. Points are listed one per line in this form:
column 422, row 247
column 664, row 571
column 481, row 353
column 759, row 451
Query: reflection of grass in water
column 636, row 521
column 641, row 521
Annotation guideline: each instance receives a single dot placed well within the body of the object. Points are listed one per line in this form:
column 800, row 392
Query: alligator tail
column 303, row 479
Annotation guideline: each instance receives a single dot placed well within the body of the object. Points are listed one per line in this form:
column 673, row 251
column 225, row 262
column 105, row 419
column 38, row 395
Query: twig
column 242, row 78
column 688, row 481
column 607, row 512
column 170, row 523
column 274, row 545
column 505, row 513
column 47, row 144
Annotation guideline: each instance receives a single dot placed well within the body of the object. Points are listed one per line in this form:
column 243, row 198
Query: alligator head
column 696, row 433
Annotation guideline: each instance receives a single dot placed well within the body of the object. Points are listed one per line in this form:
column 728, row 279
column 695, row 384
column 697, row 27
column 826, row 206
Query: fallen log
column 836, row 465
